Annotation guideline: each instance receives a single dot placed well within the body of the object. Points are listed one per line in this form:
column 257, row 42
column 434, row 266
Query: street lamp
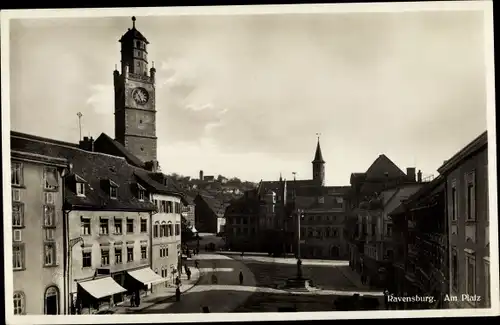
column 300, row 215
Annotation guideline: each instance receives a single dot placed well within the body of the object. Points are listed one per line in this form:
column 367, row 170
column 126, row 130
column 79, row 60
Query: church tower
column 318, row 165
column 135, row 111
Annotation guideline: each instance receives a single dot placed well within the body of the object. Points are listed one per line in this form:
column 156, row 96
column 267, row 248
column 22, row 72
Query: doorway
column 52, row 301
column 334, row 252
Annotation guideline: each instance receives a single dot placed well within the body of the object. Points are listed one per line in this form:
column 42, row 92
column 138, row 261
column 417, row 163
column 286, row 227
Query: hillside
column 220, row 188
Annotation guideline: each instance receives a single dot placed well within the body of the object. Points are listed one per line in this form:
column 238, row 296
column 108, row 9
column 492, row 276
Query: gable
column 382, row 168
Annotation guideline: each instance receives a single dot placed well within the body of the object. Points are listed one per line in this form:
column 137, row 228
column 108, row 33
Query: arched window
column 163, row 229
column 156, row 229
column 52, row 301
column 170, row 229
column 19, row 303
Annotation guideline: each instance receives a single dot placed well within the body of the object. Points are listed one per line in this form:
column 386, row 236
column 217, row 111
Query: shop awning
column 146, row 276
column 103, row 287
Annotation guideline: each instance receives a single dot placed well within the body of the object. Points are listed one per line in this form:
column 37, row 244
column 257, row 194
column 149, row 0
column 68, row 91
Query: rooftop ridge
column 63, row 144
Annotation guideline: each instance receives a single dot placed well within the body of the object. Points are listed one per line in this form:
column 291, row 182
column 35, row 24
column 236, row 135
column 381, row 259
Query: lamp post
column 300, row 215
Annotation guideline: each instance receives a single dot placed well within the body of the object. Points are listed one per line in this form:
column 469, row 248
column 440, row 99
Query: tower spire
column 318, row 156
column 318, row 165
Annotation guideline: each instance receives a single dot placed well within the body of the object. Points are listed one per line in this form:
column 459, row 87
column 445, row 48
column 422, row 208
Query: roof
column 95, row 168
column 318, row 156
column 420, row 193
column 133, row 34
column 473, row 147
column 106, row 144
column 383, row 167
column 216, row 205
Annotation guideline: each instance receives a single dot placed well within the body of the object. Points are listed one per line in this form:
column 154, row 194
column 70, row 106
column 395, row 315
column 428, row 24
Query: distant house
column 208, row 211
column 209, row 179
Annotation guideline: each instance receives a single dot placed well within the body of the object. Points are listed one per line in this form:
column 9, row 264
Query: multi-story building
column 366, row 205
column 322, row 225
column 421, row 248
column 378, row 245
column 37, row 232
column 466, row 176
column 166, row 250
column 106, row 222
column 188, row 211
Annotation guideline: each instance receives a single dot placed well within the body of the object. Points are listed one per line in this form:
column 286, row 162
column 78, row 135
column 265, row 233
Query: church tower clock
column 135, row 111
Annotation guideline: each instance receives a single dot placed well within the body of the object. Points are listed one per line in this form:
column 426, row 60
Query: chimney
column 419, row 176
column 87, row 144
column 410, row 173
column 201, row 175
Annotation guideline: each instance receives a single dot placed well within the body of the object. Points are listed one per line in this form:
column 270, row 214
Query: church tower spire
column 318, row 165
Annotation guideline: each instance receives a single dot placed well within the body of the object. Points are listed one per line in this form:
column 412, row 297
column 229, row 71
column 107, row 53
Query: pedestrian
column 188, row 273
column 137, row 299
column 196, row 264
column 241, row 278
column 386, row 299
column 178, row 282
column 242, row 254
column 177, row 294
column 132, row 300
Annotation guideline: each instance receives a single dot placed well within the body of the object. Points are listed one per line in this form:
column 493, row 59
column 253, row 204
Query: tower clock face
column 140, row 95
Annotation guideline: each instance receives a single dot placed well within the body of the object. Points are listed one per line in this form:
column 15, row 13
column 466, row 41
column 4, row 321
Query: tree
column 186, row 232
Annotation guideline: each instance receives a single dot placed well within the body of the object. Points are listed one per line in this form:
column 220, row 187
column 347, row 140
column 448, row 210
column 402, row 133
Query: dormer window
column 321, row 200
column 80, row 186
column 141, row 192
column 113, row 190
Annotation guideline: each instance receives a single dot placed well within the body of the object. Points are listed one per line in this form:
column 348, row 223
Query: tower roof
column 318, row 156
column 133, row 34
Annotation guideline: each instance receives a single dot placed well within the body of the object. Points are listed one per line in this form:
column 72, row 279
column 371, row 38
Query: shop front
column 142, row 280
column 97, row 294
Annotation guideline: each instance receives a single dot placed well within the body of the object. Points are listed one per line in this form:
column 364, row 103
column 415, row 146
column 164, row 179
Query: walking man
column 241, row 278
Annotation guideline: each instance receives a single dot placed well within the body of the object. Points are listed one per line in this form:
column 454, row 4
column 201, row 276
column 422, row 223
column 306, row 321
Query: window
column 18, row 256
column 118, row 226
column 130, row 254
column 389, row 254
column 144, row 225
column 327, row 232
column 177, row 229
column 104, row 257
column 49, row 214
column 454, row 202
column 164, row 252
column 50, row 178
column 163, row 229
column 16, row 171
column 335, row 232
column 144, row 252
column 49, row 198
column 156, row 229
column 50, row 254
column 118, row 255
column 389, row 230
column 16, row 195
column 454, row 269
column 137, row 44
column 52, row 301
column 142, row 194
column 17, row 214
column 103, row 226
column 80, row 189
column 85, row 226
column 170, row 207
column 470, row 274
column 169, row 229
column 130, row 225
column 19, row 301
column 49, row 234
column 86, row 259
column 374, row 229
column 113, row 192
column 470, row 196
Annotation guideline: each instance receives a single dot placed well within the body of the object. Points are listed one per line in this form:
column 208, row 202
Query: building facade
column 37, row 233
column 367, row 222
column 420, row 263
column 166, row 250
column 466, row 176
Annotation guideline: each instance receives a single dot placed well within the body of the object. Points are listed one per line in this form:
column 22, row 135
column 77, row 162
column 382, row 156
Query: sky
column 245, row 95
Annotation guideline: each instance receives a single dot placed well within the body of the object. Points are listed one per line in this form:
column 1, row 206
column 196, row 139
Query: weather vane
column 318, row 135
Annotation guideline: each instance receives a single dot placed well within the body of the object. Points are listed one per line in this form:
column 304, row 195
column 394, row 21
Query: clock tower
column 135, row 111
